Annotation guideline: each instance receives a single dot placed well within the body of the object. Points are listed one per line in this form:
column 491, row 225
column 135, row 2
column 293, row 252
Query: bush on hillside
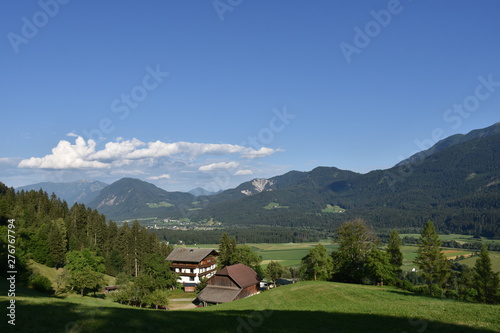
column 40, row 283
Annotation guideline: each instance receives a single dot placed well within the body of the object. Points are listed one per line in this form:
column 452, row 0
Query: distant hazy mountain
column 82, row 191
column 130, row 198
column 199, row 191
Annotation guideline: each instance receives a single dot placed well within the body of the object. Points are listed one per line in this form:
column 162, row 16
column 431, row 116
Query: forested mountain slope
column 457, row 187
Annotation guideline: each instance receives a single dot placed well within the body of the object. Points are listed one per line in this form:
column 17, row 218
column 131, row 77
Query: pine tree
column 486, row 280
column 430, row 260
column 227, row 251
column 57, row 242
column 394, row 251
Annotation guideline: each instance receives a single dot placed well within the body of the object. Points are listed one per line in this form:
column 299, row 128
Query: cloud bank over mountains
column 83, row 154
column 159, row 161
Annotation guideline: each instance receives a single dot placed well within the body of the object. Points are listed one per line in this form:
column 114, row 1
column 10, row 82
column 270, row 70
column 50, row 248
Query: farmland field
column 290, row 254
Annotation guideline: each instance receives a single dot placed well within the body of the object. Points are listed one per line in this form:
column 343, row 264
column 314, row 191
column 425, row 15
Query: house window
column 191, row 278
column 192, row 270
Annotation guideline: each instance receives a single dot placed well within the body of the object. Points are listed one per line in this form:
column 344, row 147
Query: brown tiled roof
column 243, row 275
column 218, row 294
column 190, row 255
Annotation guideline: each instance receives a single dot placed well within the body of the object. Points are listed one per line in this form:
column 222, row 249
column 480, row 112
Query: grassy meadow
column 301, row 307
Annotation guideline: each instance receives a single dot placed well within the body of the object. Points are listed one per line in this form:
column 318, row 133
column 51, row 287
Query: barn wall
column 224, row 281
column 251, row 290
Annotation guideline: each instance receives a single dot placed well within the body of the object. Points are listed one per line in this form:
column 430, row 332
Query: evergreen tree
column 57, row 242
column 430, row 260
column 394, row 251
column 227, row 251
column 487, row 281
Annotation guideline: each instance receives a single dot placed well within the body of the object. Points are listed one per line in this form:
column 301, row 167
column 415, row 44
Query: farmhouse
column 229, row 284
column 193, row 264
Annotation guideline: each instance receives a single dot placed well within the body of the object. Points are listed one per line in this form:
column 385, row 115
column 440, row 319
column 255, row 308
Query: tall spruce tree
column 430, row 260
column 394, row 251
column 486, row 280
column 227, row 251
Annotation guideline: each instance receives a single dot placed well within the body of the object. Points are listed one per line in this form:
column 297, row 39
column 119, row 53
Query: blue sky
column 214, row 93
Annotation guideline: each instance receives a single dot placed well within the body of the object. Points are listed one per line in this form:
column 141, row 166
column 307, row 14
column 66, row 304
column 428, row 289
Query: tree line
column 80, row 244
column 360, row 259
column 250, row 234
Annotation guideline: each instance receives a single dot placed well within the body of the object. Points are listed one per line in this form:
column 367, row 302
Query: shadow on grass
column 58, row 316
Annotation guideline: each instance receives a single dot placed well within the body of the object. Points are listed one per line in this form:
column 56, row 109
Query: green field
column 160, row 204
column 333, row 209
column 274, row 205
column 495, row 261
column 457, row 237
column 301, row 307
column 290, row 254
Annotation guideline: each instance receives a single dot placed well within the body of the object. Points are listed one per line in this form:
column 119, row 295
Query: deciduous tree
column 356, row 243
column 274, row 271
column 317, row 265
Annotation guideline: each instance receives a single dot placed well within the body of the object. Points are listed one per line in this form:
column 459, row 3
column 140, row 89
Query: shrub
column 40, row 283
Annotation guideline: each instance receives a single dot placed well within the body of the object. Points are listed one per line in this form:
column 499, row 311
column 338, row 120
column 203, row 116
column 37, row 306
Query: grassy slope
column 303, row 307
column 51, row 273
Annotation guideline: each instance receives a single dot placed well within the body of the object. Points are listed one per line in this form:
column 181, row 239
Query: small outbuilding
column 229, row 284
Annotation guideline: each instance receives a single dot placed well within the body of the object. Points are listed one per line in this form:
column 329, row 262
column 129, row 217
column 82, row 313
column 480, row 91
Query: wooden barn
column 229, row 284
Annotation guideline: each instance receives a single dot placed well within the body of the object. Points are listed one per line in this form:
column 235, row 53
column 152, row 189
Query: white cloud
column 262, row 152
column 10, row 161
column 218, row 166
column 117, row 150
column 66, row 156
column 244, row 172
column 83, row 154
column 72, row 134
column 127, row 172
column 164, row 176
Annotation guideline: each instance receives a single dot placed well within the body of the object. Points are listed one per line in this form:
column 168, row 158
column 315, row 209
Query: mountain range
column 82, row 191
column 455, row 183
